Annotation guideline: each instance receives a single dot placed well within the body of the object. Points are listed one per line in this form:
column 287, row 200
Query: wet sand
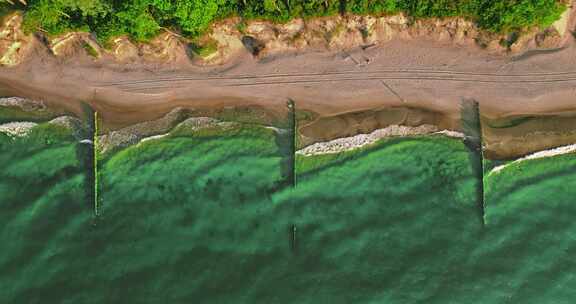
column 426, row 75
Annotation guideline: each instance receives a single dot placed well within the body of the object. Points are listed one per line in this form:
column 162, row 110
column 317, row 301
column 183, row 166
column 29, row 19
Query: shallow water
column 213, row 218
column 42, row 194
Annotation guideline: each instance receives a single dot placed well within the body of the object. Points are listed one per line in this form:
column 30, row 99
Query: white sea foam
column 145, row 139
column 17, row 129
column 451, row 133
column 361, row 140
column 539, row 154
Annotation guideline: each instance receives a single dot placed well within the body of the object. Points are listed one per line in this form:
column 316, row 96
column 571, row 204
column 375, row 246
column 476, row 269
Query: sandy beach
column 421, row 74
column 428, row 75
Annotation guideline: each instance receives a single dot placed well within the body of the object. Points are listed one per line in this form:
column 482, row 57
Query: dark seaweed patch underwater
column 209, row 218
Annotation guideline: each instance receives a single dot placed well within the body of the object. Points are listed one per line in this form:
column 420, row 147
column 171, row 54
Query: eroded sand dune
column 404, row 70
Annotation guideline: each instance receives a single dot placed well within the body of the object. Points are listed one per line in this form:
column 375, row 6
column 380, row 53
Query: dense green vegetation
column 142, row 19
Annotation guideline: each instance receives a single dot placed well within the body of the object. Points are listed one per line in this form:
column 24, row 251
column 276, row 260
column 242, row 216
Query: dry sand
column 421, row 73
column 416, row 74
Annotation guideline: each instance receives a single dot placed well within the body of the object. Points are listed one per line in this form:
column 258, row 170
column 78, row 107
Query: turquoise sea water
column 42, row 198
column 211, row 217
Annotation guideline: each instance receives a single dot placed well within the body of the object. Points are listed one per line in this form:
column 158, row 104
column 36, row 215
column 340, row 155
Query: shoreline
column 430, row 75
column 362, row 140
column 179, row 117
column 540, row 154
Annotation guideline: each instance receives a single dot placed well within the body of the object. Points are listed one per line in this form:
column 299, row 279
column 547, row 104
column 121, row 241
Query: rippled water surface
column 212, row 217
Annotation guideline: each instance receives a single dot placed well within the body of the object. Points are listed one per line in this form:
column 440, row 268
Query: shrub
column 142, row 19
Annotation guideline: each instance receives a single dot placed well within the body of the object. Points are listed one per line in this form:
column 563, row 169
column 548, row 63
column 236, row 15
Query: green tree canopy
column 142, row 19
